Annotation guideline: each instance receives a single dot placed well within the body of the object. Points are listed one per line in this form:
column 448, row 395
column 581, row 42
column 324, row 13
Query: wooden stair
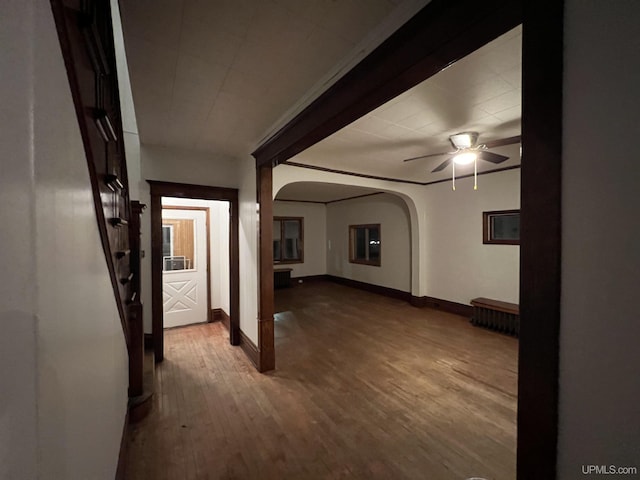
column 85, row 33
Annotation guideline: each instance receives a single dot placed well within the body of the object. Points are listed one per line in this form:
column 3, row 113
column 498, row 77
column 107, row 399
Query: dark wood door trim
column 201, row 192
column 540, row 244
column 266, row 309
column 387, row 72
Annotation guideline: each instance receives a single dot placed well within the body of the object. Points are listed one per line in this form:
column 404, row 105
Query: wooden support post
column 267, row 360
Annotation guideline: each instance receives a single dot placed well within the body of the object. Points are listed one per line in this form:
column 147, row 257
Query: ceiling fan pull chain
column 475, row 174
column 454, row 176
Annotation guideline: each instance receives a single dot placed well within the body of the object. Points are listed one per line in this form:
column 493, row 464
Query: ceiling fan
column 467, row 150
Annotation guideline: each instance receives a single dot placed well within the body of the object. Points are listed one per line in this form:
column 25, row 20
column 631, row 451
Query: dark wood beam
column 540, row 245
column 441, row 33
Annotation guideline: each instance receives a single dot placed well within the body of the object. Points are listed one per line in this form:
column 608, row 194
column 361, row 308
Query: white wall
column 198, row 168
column 315, row 235
column 390, row 211
column 448, row 259
column 218, row 246
column 127, row 109
column 248, row 240
column 600, row 328
column 220, row 256
column 458, row 266
column 62, row 353
column 285, row 174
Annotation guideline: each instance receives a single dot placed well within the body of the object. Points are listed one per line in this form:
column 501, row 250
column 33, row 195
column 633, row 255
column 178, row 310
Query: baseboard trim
column 309, row 278
column 386, row 291
column 124, row 449
column 420, row 302
column 219, row 315
column 250, row 349
column 444, row 305
column 148, row 341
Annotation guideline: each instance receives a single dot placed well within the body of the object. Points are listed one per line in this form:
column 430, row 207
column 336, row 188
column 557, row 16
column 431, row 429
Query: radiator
column 495, row 315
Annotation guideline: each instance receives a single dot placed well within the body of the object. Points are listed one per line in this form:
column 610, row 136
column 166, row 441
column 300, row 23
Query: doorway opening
column 195, row 262
column 419, row 49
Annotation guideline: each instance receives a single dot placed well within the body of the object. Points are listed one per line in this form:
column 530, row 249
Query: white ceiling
column 481, row 92
column 219, row 75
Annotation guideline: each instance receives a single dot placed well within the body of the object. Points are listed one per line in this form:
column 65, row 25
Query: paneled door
column 184, row 267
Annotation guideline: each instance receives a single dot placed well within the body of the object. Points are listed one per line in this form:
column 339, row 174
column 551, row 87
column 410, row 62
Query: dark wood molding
column 124, row 450
column 421, row 302
column 355, row 197
column 250, row 349
column 369, row 287
column 396, row 180
column 219, row 315
column 148, row 341
column 329, row 201
column 234, row 274
column 157, row 323
column 441, row 33
column 446, row 306
column 136, row 349
column 309, row 278
column 352, row 174
column 201, row 192
column 297, row 201
column 540, row 241
column 266, row 308
column 186, row 190
column 470, row 175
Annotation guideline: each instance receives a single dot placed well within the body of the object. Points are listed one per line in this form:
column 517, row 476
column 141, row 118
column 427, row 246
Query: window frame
column 487, row 232
column 282, row 261
column 352, row 245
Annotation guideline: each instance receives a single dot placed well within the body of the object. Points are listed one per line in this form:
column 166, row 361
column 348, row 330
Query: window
column 167, row 240
column 364, row 244
column 288, row 246
column 178, row 244
column 501, row 227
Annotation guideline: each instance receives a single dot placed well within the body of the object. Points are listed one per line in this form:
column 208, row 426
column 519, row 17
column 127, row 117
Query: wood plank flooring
column 365, row 387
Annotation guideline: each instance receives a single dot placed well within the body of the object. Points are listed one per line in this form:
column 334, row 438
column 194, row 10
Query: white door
column 184, row 267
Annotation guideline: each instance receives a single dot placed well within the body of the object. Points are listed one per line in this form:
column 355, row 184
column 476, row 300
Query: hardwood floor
column 365, row 387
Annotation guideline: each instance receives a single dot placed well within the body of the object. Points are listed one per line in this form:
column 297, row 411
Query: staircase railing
column 85, row 32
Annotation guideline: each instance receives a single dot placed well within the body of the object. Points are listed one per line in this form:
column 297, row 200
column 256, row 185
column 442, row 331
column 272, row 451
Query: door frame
column 441, row 33
column 200, row 192
column 208, row 254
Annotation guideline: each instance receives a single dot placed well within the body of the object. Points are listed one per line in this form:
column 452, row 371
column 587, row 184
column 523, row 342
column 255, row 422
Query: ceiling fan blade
column 443, row 165
column 425, row 156
column 491, row 157
column 503, row 141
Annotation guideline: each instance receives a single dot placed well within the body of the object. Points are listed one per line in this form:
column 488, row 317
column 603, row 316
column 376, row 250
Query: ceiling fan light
column 464, row 139
column 464, row 158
